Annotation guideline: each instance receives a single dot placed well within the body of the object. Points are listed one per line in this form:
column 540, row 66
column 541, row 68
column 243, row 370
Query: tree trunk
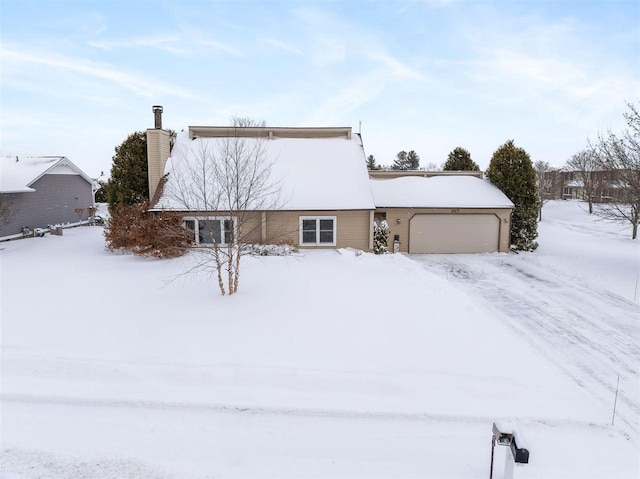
column 219, row 268
column 230, row 268
column 634, row 233
column 590, row 206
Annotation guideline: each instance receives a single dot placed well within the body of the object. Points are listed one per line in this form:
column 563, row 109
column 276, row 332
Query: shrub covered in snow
column 380, row 237
column 269, row 249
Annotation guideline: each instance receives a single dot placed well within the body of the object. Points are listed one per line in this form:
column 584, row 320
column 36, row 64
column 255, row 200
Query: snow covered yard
column 326, row 364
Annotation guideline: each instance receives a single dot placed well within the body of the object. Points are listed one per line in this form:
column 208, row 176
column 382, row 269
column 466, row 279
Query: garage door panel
column 454, row 233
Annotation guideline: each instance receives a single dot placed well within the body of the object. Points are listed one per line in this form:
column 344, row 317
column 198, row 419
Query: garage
column 454, row 233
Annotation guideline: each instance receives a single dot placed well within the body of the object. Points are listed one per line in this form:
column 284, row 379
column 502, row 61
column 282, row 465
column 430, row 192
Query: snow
column 438, row 192
column 325, row 364
column 313, row 173
column 16, row 176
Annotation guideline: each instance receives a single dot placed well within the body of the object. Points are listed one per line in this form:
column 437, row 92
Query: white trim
column 317, row 220
column 62, row 162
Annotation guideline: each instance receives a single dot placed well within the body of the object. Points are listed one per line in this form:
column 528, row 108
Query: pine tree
column 460, row 160
column 380, row 237
column 371, row 163
column 129, row 182
column 511, row 170
column 101, row 192
column 414, row 160
column 401, row 162
column 406, row 161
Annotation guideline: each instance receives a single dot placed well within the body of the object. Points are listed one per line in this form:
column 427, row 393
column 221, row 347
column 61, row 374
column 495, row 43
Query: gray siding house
column 37, row 192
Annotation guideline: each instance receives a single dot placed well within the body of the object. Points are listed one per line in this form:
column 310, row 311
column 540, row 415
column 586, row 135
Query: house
column 40, row 191
column 565, row 184
column 327, row 197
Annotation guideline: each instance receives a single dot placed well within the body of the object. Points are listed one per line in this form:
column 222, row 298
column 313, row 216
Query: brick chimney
column 157, row 115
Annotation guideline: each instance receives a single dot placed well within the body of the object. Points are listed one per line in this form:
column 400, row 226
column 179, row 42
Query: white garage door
column 459, row 233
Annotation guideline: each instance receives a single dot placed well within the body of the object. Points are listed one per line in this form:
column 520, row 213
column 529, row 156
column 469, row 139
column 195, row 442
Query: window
column 318, row 230
column 210, row 230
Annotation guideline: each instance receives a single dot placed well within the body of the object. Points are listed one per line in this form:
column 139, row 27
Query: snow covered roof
column 438, row 192
column 17, row 174
column 313, row 173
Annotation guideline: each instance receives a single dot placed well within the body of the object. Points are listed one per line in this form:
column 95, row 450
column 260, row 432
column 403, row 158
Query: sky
column 77, row 77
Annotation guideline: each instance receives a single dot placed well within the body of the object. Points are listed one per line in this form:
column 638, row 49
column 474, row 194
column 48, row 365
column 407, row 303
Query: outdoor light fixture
column 398, row 220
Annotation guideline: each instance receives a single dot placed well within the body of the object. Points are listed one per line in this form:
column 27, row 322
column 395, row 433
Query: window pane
column 217, row 231
column 326, row 236
column 326, row 231
column 326, row 225
column 205, row 231
column 309, row 231
column 190, row 226
column 228, row 231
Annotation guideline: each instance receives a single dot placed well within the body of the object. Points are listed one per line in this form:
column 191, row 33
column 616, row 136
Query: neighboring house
column 42, row 191
column 568, row 185
column 329, row 199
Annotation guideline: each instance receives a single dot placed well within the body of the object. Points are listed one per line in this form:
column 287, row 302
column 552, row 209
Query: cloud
column 394, row 68
column 214, row 45
column 135, row 82
column 281, row 45
column 167, row 43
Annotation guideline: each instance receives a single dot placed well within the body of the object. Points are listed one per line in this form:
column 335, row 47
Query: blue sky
column 77, row 77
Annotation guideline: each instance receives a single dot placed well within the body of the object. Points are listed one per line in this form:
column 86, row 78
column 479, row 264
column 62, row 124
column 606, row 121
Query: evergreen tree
column 511, row 170
column 371, row 163
column 129, row 183
column 401, row 162
column 460, row 160
column 414, row 160
column 101, row 192
column 380, row 237
column 406, row 161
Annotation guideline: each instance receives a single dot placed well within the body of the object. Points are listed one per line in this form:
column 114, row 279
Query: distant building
column 567, row 185
column 36, row 192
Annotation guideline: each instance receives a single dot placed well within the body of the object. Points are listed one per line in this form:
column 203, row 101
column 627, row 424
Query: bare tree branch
column 620, row 154
column 584, row 165
column 227, row 180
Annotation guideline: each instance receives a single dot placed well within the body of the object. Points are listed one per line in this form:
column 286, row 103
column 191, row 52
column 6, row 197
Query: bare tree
column 544, row 182
column 620, row 155
column 584, row 166
column 231, row 177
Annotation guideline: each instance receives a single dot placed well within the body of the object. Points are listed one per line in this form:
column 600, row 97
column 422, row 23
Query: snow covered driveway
column 578, row 321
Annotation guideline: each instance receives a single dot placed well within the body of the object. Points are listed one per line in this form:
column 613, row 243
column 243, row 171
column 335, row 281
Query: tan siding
column 158, row 150
column 404, row 216
column 252, row 228
column 284, row 227
column 352, row 228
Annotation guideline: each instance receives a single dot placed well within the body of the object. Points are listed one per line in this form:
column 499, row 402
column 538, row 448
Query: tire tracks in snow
column 311, row 413
column 589, row 333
